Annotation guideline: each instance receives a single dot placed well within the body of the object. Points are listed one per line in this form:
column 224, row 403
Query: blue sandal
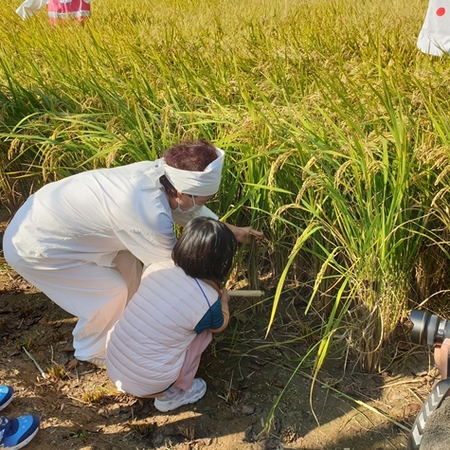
column 16, row 433
column 6, row 395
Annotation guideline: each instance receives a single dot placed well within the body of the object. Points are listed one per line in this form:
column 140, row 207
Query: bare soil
column 246, row 374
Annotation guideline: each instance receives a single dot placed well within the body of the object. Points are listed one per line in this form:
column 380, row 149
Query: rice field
column 336, row 129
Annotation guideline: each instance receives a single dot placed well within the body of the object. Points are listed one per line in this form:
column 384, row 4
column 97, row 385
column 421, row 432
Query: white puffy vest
column 147, row 345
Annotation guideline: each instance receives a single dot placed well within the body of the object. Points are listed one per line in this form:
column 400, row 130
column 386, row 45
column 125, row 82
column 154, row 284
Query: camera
column 428, row 329
column 431, row 330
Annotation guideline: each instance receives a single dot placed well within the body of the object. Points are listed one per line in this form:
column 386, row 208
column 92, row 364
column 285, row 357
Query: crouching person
column 154, row 349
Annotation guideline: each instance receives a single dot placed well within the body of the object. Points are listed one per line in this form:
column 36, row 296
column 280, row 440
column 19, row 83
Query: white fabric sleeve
column 147, row 246
column 206, row 212
column 30, row 7
column 143, row 225
column 183, row 218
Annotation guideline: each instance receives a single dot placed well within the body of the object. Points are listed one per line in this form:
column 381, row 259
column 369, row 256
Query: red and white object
column 434, row 38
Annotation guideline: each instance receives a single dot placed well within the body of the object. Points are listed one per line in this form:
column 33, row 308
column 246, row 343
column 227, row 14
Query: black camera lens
column 428, row 329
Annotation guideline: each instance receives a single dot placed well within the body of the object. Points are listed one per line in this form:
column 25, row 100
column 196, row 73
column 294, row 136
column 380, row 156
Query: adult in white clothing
column 155, row 347
column 84, row 239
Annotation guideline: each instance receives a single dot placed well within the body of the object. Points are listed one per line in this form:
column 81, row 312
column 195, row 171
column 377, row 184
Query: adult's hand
column 441, row 357
column 245, row 234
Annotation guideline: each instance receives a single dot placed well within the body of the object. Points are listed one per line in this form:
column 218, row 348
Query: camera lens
column 443, row 331
column 428, row 329
column 424, row 326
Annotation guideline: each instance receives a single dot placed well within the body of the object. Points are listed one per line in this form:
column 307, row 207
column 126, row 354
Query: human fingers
column 256, row 235
column 225, row 296
column 441, row 357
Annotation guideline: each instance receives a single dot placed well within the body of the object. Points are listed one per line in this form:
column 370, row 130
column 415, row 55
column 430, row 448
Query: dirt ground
column 80, row 409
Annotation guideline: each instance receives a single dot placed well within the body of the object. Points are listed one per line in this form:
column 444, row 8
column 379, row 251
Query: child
column 15, row 433
column 155, row 347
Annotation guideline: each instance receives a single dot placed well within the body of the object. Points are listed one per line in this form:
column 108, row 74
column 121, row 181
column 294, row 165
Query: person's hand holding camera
column 441, row 357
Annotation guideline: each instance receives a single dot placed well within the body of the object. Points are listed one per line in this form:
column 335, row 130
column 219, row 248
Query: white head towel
column 197, row 183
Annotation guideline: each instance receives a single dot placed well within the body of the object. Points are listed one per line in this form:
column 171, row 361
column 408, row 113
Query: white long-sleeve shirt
column 93, row 215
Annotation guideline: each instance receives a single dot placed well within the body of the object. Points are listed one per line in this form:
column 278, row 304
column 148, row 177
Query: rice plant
column 334, row 125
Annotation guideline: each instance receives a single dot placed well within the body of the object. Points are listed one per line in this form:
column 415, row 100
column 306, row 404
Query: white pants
column 96, row 295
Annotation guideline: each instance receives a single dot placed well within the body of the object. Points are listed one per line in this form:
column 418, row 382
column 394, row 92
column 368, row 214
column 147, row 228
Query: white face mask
column 192, row 209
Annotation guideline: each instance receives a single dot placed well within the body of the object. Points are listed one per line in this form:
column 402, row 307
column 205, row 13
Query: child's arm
column 224, row 299
column 217, row 317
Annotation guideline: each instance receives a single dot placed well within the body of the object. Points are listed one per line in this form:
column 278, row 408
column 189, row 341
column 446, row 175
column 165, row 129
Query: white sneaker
column 174, row 398
column 99, row 362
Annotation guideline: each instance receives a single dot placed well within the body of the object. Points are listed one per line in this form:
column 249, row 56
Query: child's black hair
column 205, row 249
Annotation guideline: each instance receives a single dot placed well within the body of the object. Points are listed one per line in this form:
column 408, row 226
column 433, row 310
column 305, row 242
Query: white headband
column 197, row 183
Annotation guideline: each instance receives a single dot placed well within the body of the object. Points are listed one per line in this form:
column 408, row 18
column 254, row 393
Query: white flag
column 434, row 38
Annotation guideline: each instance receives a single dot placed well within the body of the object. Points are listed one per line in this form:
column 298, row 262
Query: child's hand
column 225, row 298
